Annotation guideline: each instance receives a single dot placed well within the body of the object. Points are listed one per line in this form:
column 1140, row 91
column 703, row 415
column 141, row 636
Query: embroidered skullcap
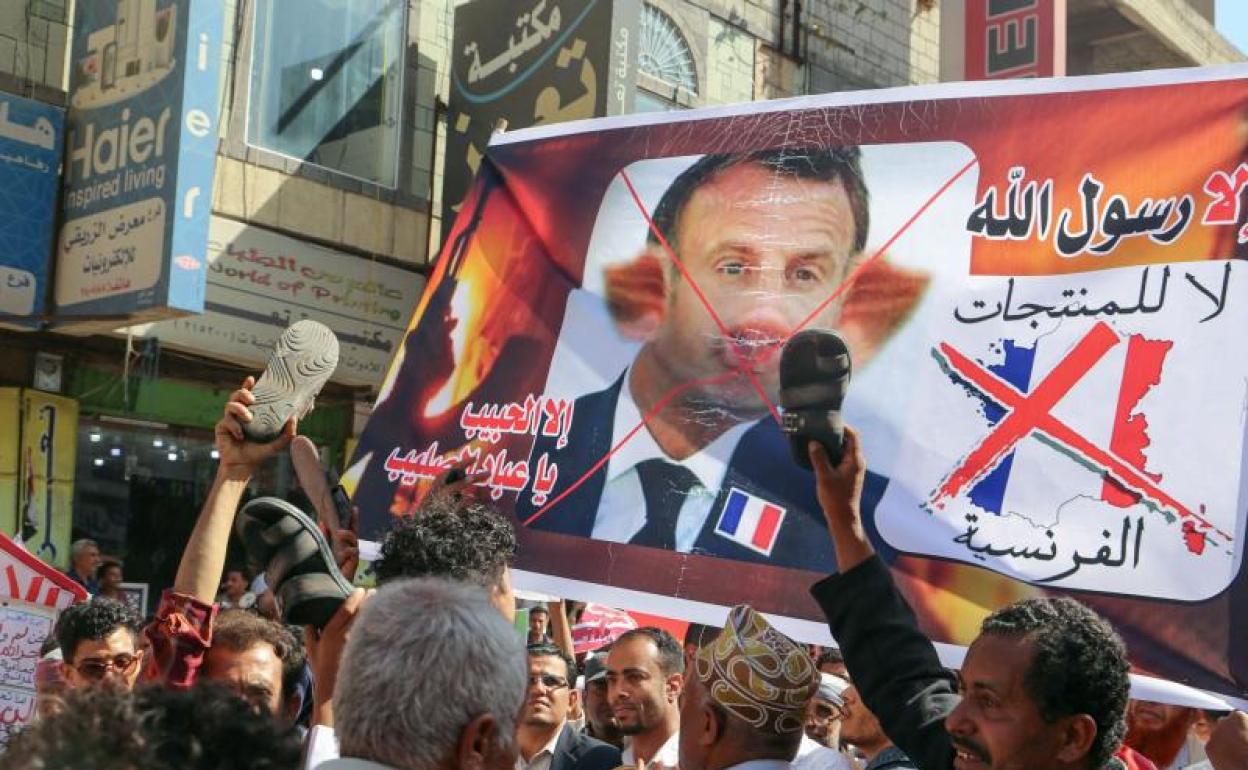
column 758, row 674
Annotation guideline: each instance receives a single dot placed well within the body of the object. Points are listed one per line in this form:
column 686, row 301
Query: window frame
column 302, row 166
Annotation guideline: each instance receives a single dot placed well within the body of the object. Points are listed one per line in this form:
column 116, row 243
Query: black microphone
column 814, row 375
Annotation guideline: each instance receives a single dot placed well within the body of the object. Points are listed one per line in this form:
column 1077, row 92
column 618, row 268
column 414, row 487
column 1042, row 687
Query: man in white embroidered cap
column 744, row 704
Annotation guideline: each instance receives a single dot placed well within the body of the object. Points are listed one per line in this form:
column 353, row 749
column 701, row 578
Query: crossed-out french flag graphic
column 1018, row 402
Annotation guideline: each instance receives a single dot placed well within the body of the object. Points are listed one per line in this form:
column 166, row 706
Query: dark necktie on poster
column 666, row 486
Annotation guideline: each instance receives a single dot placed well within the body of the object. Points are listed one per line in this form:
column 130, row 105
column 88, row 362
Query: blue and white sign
column 139, row 160
column 30, row 155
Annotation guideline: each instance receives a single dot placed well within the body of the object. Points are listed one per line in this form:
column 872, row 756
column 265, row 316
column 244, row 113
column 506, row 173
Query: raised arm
column 560, row 628
column 199, row 572
column 893, row 665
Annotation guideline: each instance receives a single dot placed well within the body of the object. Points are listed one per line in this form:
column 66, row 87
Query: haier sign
column 139, row 160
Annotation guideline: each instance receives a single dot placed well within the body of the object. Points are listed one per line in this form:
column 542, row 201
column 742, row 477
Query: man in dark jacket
column 547, row 741
column 1045, row 684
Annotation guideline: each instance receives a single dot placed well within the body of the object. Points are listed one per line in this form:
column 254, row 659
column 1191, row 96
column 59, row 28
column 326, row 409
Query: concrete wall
column 34, row 42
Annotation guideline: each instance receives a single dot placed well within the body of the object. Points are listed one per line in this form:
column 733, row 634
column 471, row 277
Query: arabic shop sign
column 260, row 282
column 1014, row 39
column 30, row 152
column 139, row 159
column 539, row 63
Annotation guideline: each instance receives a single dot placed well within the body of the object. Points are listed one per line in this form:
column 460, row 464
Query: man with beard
column 645, row 674
column 546, row 740
column 1163, row 733
column 1044, row 685
column 862, row 730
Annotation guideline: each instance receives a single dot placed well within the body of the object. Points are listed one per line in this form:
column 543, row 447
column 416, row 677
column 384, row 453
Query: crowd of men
column 428, row 671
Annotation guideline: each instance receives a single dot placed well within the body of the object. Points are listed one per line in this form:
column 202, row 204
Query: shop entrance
column 140, row 486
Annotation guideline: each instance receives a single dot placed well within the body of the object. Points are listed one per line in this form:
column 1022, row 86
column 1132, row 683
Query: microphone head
column 814, row 370
column 814, row 376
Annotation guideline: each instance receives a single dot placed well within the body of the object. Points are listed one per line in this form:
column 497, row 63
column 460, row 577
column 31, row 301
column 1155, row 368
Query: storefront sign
column 260, row 282
column 530, row 64
column 1014, row 39
column 30, row 152
column 139, row 160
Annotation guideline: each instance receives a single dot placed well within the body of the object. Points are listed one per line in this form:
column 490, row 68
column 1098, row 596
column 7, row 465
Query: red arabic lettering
column 496, row 472
column 490, row 422
column 544, row 481
column 1227, row 192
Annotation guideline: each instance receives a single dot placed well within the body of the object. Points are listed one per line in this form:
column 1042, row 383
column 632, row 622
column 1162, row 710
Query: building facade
column 331, row 142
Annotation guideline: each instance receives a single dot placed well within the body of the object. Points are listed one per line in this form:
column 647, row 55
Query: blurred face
column 838, row 668
column 639, row 693
column 50, row 686
column 1148, row 717
column 537, row 624
column 88, row 561
column 113, row 661
column 235, row 584
column 255, row 674
column 766, row 250
column 997, row 725
column 859, row 726
column 823, row 721
column 547, row 698
column 598, row 707
column 697, row 733
column 111, row 577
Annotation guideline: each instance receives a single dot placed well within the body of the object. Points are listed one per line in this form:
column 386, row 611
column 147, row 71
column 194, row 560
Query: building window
column 648, row 101
column 663, row 53
column 326, row 84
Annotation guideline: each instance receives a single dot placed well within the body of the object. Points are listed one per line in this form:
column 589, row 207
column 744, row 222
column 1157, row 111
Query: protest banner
column 1039, row 283
column 31, row 593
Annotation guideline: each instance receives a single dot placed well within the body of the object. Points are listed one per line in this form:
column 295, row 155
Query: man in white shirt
column 645, row 673
column 820, row 747
column 546, row 740
column 745, row 701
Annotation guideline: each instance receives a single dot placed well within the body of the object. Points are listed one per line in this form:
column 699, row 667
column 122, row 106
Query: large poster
column 1039, row 283
column 142, row 143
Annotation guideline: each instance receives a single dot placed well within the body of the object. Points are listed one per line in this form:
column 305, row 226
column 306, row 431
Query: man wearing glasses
column 99, row 644
column 821, row 739
column 545, row 739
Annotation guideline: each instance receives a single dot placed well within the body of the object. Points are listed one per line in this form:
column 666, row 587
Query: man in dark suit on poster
column 764, row 239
